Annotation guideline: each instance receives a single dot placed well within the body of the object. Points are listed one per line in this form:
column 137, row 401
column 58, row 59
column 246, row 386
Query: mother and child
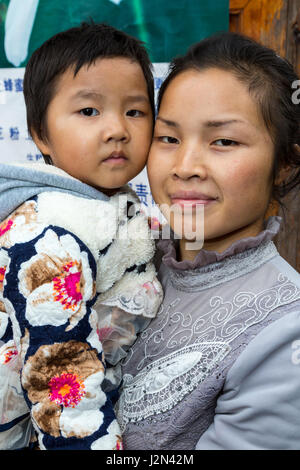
column 109, row 341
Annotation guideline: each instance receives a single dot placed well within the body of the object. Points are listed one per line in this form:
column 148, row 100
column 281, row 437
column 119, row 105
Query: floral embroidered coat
column 76, row 278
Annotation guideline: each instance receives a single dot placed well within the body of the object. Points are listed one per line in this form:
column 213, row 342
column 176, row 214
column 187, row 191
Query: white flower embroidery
column 111, row 441
column 56, row 282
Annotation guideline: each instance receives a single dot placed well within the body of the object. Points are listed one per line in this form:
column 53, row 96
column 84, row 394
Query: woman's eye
column 225, row 143
column 135, row 113
column 166, row 139
column 89, row 112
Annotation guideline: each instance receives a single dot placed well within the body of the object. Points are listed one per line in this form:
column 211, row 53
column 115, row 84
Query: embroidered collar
column 210, row 268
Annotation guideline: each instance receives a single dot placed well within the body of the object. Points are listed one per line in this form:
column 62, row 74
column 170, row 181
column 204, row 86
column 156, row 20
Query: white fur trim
column 93, row 221
column 133, row 246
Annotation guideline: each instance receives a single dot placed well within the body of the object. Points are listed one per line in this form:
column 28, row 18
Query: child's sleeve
column 49, row 293
column 118, row 331
column 126, row 310
column 15, row 424
column 127, row 305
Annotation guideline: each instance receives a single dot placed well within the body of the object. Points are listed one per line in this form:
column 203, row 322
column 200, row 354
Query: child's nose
column 115, row 129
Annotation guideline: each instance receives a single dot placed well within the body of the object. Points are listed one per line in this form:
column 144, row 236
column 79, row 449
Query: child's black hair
column 76, row 47
column 270, row 81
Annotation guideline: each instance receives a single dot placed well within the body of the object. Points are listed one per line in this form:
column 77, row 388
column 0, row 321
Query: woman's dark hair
column 270, row 80
column 76, row 47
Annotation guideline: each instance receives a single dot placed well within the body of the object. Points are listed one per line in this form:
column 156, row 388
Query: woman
column 219, row 366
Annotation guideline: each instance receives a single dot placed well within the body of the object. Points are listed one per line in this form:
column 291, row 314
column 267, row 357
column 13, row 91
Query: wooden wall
column 276, row 24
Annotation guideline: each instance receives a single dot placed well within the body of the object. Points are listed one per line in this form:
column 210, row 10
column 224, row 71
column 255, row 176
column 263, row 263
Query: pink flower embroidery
column 9, row 355
column 67, row 289
column 6, row 226
column 59, row 377
column 2, row 274
column 66, row 389
column 119, row 444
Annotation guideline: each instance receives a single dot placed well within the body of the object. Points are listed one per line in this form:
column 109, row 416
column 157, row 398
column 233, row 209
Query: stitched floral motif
column 9, row 355
column 63, row 399
column 8, row 352
column 24, row 217
column 119, row 444
column 67, row 289
column 56, row 282
column 2, row 274
column 6, row 226
column 66, row 389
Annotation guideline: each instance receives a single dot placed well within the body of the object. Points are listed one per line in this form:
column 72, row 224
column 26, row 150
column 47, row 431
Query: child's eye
column 89, row 112
column 135, row 113
column 225, row 143
column 166, row 139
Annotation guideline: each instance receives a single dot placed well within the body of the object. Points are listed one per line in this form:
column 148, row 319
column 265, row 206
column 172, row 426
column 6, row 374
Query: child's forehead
column 105, row 72
column 102, row 66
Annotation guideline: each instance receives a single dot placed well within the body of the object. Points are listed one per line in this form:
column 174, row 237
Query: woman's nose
column 190, row 163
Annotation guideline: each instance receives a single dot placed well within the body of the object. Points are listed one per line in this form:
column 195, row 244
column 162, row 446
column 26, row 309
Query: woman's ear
column 282, row 174
column 297, row 148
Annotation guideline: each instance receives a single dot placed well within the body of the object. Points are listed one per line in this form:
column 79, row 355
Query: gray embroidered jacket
column 219, row 367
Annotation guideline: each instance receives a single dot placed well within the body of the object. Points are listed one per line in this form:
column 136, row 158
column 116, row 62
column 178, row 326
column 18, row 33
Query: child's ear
column 41, row 144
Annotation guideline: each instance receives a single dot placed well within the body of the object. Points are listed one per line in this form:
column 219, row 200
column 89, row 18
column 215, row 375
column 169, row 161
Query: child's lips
column 116, row 158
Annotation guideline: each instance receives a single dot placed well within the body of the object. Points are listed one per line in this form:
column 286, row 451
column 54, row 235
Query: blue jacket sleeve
column 259, row 408
column 49, row 292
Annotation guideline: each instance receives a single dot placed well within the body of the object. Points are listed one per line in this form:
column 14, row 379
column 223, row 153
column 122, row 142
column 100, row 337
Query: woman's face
column 211, row 149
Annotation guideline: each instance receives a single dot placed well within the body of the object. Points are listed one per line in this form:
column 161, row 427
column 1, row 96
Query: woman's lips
column 191, row 199
column 192, row 202
column 187, row 204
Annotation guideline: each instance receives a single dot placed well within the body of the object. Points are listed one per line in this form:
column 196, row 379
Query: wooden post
column 276, row 24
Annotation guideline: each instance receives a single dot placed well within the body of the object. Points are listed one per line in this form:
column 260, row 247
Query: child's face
column 99, row 123
column 211, row 147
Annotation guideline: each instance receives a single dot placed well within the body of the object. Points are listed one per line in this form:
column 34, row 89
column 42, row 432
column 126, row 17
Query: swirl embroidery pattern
column 192, row 348
column 166, row 381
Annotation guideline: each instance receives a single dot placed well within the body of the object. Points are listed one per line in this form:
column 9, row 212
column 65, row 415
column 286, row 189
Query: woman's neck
column 220, row 244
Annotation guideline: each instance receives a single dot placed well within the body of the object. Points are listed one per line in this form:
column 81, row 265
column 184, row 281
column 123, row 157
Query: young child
column 76, row 272
column 218, row 368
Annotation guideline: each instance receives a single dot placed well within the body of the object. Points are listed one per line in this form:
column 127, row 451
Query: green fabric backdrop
column 167, row 27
